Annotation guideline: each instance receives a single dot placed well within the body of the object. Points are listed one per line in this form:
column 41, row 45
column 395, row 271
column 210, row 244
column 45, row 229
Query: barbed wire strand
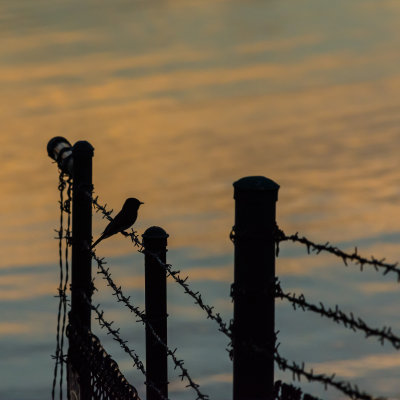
column 349, row 321
column 143, row 318
column 61, row 315
column 283, row 391
column 298, row 371
column 61, row 188
column 67, row 209
column 175, row 274
column 354, row 257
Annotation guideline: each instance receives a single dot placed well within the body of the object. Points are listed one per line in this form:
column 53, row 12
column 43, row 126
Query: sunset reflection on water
column 180, row 100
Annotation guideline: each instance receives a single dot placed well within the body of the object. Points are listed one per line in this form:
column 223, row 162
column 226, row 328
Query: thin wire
column 299, row 371
column 349, row 321
column 354, row 257
column 57, row 358
column 67, row 209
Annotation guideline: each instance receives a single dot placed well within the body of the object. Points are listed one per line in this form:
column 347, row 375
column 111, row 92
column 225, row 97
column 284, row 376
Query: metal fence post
column 253, row 288
column 155, row 242
column 81, row 279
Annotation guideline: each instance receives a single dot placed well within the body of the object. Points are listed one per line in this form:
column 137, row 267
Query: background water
column 180, row 99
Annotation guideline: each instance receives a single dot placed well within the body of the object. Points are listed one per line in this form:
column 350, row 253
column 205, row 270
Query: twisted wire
column 67, row 209
column 349, row 321
column 354, row 257
column 284, row 391
column 63, row 282
column 298, row 371
column 142, row 318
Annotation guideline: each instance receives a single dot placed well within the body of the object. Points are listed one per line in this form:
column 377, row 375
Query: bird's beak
column 141, row 202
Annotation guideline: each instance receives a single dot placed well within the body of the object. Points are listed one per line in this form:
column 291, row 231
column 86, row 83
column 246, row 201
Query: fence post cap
column 256, row 183
column 155, row 232
column 83, row 146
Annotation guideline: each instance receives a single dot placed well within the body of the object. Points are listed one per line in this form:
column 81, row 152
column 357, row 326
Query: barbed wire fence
column 299, row 301
column 106, row 380
column 297, row 370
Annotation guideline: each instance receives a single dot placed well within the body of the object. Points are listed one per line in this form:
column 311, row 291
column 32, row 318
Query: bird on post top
column 122, row 221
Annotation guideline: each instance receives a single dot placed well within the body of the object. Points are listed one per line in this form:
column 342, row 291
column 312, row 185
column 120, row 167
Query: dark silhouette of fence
column 91, row 372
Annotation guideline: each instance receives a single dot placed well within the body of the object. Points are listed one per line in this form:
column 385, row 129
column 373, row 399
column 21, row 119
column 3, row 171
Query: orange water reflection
column 181, row 100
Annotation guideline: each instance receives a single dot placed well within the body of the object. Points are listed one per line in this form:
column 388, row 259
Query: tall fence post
column 253, row 288
column 81, row 279
column 155, row 242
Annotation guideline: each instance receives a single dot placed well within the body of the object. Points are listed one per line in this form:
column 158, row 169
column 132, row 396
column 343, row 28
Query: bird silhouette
column 123, row 220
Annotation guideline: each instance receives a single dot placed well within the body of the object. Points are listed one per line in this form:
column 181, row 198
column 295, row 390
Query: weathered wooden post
column 155, row 243
column 253, row 288
column 81, row 276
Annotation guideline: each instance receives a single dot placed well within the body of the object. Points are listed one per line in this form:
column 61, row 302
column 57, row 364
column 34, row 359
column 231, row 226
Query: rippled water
column 180, row 99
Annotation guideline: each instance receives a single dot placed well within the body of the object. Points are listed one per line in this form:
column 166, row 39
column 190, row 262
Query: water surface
column 180, row 99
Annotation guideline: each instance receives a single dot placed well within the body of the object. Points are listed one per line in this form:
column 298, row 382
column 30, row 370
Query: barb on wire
column 142, row 318
column 354, row 257
column 284, row 391
column 298, row 371
column 103, row 209
column 349, row 321
column 65, row 207
column 175, row 274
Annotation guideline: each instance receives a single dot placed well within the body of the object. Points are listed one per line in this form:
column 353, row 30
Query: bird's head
column 132, row 203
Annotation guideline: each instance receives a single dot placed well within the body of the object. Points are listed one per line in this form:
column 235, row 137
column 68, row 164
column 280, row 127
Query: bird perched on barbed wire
column 123, row 220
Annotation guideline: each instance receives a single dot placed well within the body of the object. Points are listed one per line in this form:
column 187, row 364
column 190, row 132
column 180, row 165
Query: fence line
column 256, row 238
column 344, row 387
column 297, row 370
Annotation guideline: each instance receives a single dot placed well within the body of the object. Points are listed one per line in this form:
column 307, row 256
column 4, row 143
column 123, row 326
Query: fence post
column 155, row 242
column 253, row 288
column 81, row 276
